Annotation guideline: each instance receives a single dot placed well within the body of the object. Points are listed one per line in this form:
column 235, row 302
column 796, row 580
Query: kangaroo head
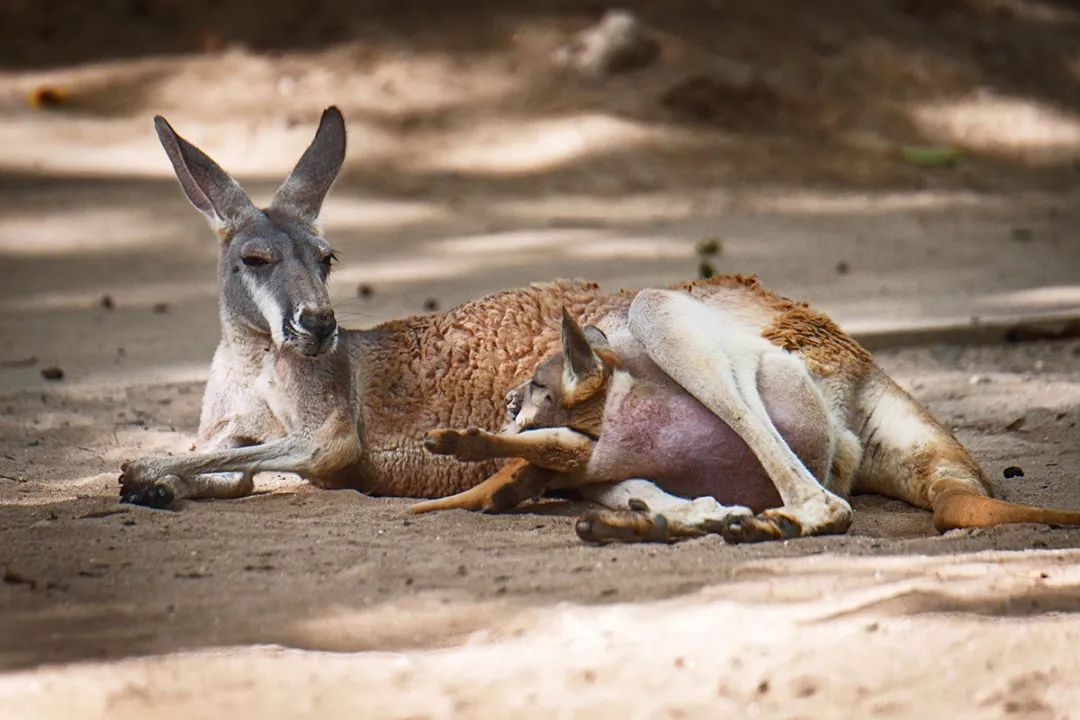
column 568, row 388
column 274, row 262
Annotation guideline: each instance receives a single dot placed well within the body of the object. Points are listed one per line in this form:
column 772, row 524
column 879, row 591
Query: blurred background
column 902, row 163
column 909, row 166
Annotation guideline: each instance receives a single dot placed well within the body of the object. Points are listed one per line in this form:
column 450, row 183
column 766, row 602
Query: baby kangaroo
column 612, row 424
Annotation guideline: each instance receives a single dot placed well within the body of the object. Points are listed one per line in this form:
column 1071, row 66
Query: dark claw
column 761, row 528
column 153, row 496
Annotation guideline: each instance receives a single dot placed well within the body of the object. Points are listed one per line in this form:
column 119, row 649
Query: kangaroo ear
column 596, row 336
column 580, row 362
column 207, row 186
column 303, row 191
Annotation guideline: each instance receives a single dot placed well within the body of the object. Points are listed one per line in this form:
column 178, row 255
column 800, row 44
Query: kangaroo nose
column 319, row 322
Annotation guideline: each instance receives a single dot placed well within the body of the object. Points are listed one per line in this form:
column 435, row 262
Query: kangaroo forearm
column 289, row 454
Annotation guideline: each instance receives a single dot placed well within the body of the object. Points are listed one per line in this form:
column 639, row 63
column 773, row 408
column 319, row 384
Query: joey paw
column 467, row 444
column 442, row 441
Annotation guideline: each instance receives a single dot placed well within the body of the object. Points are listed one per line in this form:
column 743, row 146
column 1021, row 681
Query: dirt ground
column 476, row 164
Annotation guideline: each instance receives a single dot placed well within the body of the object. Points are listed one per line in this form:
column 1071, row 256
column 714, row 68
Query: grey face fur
column 274, row 263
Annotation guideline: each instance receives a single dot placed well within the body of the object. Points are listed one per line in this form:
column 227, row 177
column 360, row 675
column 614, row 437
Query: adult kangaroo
column 290, row 391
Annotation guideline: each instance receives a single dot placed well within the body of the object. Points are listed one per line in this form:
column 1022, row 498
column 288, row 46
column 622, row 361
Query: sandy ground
column 478, row 167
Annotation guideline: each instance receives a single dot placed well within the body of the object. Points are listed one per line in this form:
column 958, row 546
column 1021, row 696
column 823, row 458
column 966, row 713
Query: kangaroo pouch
column 660, row 432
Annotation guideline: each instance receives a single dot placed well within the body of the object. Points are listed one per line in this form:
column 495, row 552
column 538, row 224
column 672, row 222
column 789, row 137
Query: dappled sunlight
column 466, row 255
column 631, row 248
column 1032, row 300
column 352, row 212
column 533, row 145
column 69, row 230
column 1028, row 128
column 424, row 620
column 516, row 241
column 802, row 202
column 622, row 209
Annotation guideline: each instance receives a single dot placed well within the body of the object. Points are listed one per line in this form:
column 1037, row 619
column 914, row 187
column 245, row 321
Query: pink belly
column 677, row 443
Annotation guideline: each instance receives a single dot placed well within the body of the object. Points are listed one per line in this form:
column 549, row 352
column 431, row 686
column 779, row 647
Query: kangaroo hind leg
column 716, row 356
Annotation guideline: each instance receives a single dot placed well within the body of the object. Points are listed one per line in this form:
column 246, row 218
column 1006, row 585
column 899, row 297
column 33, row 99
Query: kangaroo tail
column 961, row 508
column 910, row 456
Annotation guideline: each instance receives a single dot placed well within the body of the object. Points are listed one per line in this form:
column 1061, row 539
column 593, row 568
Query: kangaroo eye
column 256, row 260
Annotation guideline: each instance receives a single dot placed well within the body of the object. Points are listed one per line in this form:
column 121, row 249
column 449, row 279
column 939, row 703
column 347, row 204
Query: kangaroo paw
column 760, row 528
column 158, row 494
column 638, row 524
column 463, row 444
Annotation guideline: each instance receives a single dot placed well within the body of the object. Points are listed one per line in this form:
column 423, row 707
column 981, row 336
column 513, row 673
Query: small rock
column 842, row 268
column 13, row 577
column 431, row 304
column 160, row 308
column 52, row 373
column 618, row 43
column 1013, row 471
column 364, row 290
column 1022, row 234
column 46, row 97
column 107, row 303
column 1016, row 424
column 978, row 380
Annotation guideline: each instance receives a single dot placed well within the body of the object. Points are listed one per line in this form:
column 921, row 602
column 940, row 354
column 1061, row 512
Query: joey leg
column 559, row 449
column 511, row 485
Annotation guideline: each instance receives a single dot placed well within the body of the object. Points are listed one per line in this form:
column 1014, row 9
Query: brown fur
column 453, row 370
column 795, row 326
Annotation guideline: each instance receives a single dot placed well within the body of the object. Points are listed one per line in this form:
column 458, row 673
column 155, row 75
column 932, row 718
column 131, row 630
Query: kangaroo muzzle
column 313, row 330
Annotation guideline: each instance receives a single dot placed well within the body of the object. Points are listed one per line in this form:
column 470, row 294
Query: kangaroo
column 290, row 391
column 593, row 415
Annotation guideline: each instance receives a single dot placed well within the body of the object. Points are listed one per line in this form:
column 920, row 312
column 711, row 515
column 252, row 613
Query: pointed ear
column 207, row 186
column 302, row 193
column 596, row 337
column 580, row 363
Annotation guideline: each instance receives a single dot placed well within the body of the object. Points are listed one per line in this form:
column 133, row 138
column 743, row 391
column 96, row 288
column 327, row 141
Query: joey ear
column 580, row 362
column 207, row 186
column 303, row 191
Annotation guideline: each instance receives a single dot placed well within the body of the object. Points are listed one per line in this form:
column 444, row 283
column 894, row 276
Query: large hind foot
column 789, row 522
column 137, row 490
column 637, row 524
